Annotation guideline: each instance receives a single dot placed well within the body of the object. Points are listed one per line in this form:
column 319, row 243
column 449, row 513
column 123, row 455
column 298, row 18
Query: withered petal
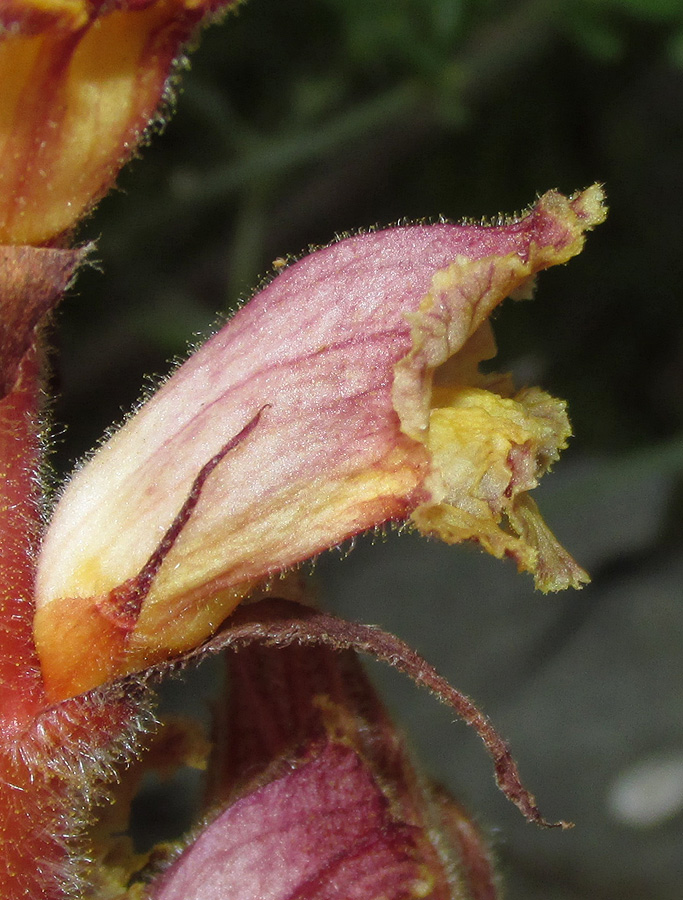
column 339, row 351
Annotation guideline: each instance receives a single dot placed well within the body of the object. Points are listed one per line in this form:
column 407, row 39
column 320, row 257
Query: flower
column 312, row 794
column 345, row 395
column 323, row 831
column 326, row 407
column 81, row 83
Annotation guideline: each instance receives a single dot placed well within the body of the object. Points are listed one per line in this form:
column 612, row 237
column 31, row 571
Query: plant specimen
column 345, row 395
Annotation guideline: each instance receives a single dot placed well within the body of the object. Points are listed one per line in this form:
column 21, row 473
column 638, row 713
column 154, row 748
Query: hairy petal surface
column 307, row 419
column 322, row 831
column 312, row 792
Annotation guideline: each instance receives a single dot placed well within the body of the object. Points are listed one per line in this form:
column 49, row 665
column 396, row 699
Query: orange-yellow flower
column 81, row 80
column 346, row 394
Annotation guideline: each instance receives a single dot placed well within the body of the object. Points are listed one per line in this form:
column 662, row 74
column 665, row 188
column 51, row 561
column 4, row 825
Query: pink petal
column 320, row 832
column 321, row 389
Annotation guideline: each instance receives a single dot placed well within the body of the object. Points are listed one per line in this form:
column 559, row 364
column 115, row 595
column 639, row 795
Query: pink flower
column 320, row 831
column 345, row 395
column 313, row 795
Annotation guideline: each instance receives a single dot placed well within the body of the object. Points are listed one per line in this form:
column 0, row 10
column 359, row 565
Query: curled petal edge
column 365, row 364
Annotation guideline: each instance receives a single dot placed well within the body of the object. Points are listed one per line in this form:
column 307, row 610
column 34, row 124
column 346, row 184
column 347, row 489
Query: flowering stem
column 53, row 760
column 20, row 519
column 27, row 830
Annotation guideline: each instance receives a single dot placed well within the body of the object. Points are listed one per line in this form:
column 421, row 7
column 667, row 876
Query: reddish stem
column 53, row 759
